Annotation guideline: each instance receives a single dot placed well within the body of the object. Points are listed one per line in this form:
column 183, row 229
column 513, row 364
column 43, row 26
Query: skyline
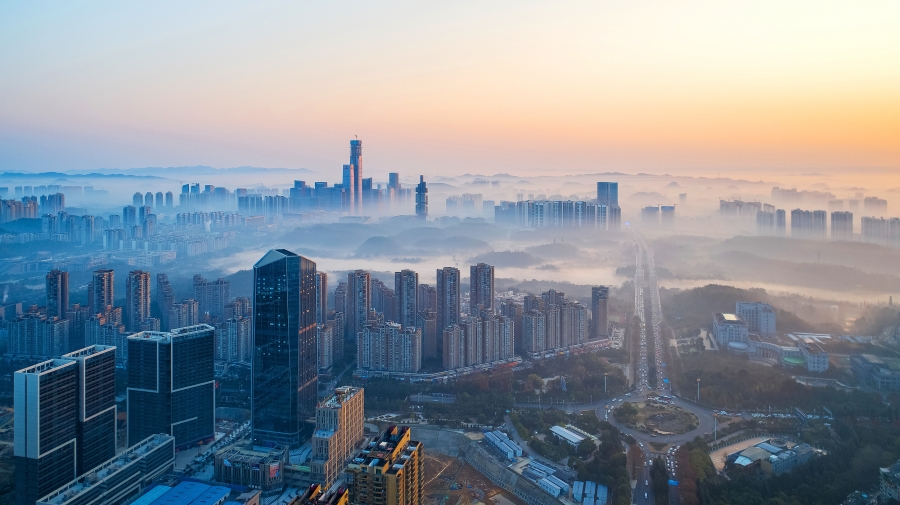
column 706, row 89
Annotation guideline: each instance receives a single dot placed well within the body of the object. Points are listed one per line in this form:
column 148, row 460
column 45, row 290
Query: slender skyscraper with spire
column 356, row 168
column 422, row 199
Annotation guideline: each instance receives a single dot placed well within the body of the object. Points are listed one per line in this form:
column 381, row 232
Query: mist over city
column 397, row 254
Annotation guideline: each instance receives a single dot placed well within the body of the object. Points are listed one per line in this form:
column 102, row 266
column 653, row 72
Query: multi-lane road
column 646, row 290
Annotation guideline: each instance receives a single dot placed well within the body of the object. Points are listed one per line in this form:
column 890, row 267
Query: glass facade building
column 284, row 369
column 171, row 388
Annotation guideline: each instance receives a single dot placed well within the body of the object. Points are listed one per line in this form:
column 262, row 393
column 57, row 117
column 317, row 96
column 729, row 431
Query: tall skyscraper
column 171, row 386
column 359, row 301
column 96, row 417
column 165, row 298
column 356, row 167
column 608, row 193
column 406, row 287
column 481, row 289
column 422, row 199
column 599, row 312
column 65, row 420
column 137, row 294
column 46, row 428
column 57, row 293
column 101, row 291
column 322, row 298
column 447, row 297
column 284, row 370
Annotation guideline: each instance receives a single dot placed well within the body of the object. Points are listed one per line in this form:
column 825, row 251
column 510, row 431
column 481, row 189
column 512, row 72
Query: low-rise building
column 816, row 357
column 880, row 373
column 120, row 479
column 260, row 469
column 889, row 482
column 729, row 328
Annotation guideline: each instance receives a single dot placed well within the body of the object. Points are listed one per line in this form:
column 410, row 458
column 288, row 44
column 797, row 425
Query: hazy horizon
column 737, row 89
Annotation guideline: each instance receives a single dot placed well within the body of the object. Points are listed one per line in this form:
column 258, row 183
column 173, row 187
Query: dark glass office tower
column 96, row 385
column 356, row 167
column 45, row 435
column 406, row 292
column 284, row 369
column 171, row 388
column 57, row 294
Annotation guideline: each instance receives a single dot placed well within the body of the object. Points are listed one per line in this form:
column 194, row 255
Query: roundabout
column 656, row 419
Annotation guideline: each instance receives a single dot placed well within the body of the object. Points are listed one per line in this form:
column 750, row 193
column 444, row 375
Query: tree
column 586, row 448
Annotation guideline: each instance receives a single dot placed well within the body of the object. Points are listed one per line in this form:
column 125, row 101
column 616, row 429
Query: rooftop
column 729, row 319
column 93, row 477
column 46, row 366
column 340, row 396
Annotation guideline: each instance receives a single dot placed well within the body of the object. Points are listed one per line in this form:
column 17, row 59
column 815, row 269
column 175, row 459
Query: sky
column 445, row 88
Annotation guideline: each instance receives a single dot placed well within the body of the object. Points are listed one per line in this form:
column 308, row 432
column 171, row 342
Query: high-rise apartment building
column 406, row 292
column 65, row 415
column 165, row 298
column 447, row 297
column 34, row 334
column 171, row 387
column 842, row 226
column 426, row 321
column 427, row 298
column 182, row 314
column 608, row 193
column 137, row 295
column 359, row 301
column 599, row 312
column 339, row 431
column 389, row 471
column 481, row 289
column 321, row 297
column 129, row 216
column 422, row 199
column 284, row 378
column 57, row 293
column 383, row 300
column 101, row 291
column 809, row 224
column 388, row 347
column 534, row 329
column 234, row 339
column 211, row 296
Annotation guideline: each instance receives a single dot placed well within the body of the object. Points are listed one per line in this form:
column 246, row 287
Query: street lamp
column 698, row 390
column 604, row 381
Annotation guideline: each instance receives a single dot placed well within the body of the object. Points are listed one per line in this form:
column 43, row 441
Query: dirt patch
column 450, row 481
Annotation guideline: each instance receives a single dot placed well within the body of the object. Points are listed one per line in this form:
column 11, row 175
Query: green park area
column 658, row 419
